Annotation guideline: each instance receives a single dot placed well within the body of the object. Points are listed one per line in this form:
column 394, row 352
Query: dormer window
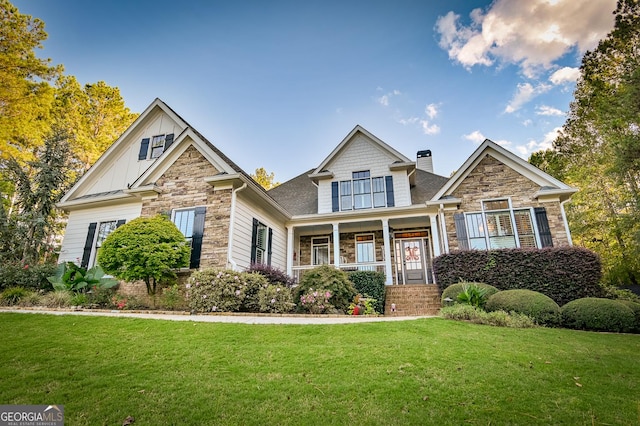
column 159, row 144
column 363, row 192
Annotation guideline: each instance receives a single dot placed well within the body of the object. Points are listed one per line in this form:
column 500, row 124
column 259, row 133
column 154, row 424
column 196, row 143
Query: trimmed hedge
column 454, row 290
column 598, row 314
column 370, row 284
column 327, row 277
column 531, row 303
column 562, row 273
column 635, row 307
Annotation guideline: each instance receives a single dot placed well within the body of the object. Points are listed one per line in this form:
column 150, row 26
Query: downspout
column 566, row 223
column 232, row 216
column 443, row 227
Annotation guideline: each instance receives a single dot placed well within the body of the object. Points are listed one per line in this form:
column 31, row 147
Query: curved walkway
column 227, row 318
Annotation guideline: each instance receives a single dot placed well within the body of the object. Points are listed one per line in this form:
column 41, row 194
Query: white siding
column 124, row 168
column 78, row 225
column 362, row 154
column 243, row 227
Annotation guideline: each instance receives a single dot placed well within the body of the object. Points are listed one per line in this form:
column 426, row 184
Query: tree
column 146, row 249
column 600, row 145
column 265, row 179
column 25, row 94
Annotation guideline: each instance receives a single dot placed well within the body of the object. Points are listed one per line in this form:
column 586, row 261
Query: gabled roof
column 350, row 137
column 548, row 184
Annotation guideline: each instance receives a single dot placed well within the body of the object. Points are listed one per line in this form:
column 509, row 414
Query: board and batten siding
column 359, row 155
column 78, row 225
column 126, row 168
column 242, row 233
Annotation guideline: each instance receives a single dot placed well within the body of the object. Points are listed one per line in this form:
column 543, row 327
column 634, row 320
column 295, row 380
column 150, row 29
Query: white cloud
column 547, row 110
column 565, row 75
column 407, row 121
column 532, row 146
column 429, row 129
column 524, row 93
column 431, row 110
column 530, row 33
column 528, row 122
column 475, row 137
column 383, row 100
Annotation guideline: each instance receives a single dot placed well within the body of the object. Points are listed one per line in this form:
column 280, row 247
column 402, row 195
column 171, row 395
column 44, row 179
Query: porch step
column 412, row 299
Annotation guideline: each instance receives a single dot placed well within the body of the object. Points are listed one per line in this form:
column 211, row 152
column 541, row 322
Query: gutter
column 232, row 215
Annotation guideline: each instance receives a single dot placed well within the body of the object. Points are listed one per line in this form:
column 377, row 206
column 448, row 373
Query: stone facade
column 493, row 179
column 347, row 247
column 183, row 186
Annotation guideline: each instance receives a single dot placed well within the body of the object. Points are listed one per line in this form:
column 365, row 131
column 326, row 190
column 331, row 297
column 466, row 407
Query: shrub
column 275, row 276
column 316, row 301
column 562, row 273
column 100, row 297
column 330, row 279
column 148, row 249
column 531, row 303
column 171, row 298
column 223, row 290
column 57, row 299
column 365, row 306
column 454, row 290
column 13, row 295
column 598, row 314
column 79, row 299
column 253, row 283
column 370, row 284
column 275, row 299
column 635, row 307
column 32, row 277
column 462, row 312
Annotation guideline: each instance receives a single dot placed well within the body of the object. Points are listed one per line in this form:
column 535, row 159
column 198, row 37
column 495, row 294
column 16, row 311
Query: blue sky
column 278, row 84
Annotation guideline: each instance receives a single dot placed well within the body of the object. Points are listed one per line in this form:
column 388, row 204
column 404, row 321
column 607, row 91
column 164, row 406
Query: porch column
column 387, row 252
column 290, row 247
column 336, row 245
column 435, row 236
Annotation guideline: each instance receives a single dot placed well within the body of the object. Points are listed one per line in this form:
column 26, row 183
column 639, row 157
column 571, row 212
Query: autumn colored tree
column 265, row 179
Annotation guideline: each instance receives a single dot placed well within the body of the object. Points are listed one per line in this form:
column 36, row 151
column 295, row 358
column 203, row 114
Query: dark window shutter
column 144, row 147
column 254, row 239
column 543, row 227
column 461, row 231
column 335, row 197
column 196, row 238
column 120, row 223
column 269, row 246
column 88, row 245
column 389, row 184
column 168, row 140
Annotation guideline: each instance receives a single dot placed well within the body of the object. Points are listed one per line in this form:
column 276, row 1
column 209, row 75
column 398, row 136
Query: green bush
column 598, row 314
column 223, row 290
column 33, row 277
column 463, row 312
column 13, row 295
column 100, row 297
column 254, row 282
column 370, row 284
column 531, row 303
column 275, row 299
column 328, row 278
column 316, row 301
column 562, row 273
column 69, row 276
column 635, row 307
column 274, row 275
column 57, row 299
column 454, row 290
column 171, row 298
column 31, row 298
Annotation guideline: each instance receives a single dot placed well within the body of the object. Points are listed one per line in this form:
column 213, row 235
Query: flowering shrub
column 275, row 299
column 31, row 277
column 223, row 290
column 365, row 307
column 316, row 301
column 331, row 279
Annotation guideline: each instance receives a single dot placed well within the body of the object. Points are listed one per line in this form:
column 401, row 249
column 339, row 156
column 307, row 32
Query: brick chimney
column 425, row 161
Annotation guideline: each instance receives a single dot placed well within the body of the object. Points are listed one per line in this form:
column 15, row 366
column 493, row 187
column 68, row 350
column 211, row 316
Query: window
column 184, row 219
column 96, row 234
column 499, row 225
column 157, row 146
column 104, row 230
column 320, row 251
column 191, row 223
column 363, row 192
column 365, row 248
column 261, row 243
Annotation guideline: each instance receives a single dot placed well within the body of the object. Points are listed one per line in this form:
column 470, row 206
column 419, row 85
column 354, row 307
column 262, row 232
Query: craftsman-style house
column 365, row 207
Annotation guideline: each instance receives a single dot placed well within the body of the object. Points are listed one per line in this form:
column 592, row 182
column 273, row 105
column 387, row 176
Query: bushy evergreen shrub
column 562, row 273
column 454, row 290
column 462, row 312
column 330, row 279
column 635, row 307
column 274, row 275
column 531, row 303
column 598, row 314
column 33, row 277
column 275, row 299
column 370, row 284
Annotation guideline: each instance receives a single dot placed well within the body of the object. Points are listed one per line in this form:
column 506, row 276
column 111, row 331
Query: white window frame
column 156, row 145
column 350, row 200
column 320, row 243
column 98, row 240
column 367, row 242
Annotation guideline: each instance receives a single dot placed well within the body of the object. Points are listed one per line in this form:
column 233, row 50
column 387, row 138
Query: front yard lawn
column 430, row 371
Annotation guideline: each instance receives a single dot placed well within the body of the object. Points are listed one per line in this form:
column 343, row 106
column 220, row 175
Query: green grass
column 430, row 371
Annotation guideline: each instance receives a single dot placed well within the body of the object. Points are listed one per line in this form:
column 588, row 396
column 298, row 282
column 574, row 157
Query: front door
column 412, row 252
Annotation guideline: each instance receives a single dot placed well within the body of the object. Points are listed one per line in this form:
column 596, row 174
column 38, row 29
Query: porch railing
column 347, row 267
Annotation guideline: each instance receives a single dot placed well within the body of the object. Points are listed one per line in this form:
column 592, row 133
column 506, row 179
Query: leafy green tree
column 600, row 147
column 148, row 249
column 25, row 94
column 265, row 179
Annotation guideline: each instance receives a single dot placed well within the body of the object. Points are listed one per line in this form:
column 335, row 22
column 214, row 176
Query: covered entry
column 413, row 257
